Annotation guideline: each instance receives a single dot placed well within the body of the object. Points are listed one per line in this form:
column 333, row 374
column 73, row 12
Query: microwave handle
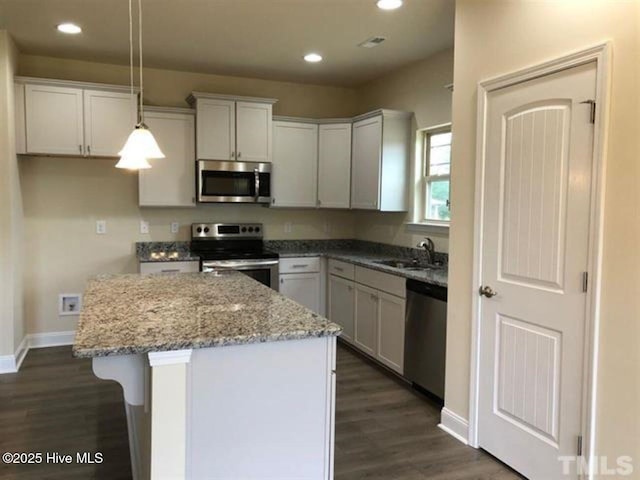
column 257, row 179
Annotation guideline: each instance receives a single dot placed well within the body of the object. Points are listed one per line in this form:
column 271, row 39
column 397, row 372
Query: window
column 436, row 175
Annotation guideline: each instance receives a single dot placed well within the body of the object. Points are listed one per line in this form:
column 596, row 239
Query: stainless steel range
column 235, row 246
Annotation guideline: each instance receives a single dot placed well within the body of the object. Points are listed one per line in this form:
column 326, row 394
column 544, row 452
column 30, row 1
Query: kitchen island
column 222, row 376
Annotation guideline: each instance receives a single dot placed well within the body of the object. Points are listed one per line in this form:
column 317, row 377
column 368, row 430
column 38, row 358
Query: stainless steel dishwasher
column 425, row 336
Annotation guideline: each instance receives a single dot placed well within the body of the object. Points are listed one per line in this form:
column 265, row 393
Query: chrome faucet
column 429, row 247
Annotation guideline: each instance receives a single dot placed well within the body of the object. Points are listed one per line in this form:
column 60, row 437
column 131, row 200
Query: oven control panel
column 226, row 230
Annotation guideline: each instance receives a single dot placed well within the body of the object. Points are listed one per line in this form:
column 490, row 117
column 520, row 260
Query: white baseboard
column 50, row 339
column 11, row 363
column 454, row 425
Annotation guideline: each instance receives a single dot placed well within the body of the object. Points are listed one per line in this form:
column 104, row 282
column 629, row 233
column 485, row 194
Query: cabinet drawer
column 382, row 281
column 300, row 265
column 342, row 269
column 169, row 267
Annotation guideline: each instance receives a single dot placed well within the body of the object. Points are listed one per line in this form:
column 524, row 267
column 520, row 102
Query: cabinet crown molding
column 75, row 84
column 384, row 112
column 193, row 96
column 317, row 121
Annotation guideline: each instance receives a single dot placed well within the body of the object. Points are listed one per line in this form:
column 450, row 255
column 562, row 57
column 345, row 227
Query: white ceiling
column 252, row 38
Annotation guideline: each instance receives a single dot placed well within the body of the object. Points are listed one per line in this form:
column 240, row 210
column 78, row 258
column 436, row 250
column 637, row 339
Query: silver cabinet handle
column 88, row 149
column 299, row 265
column 80, row 148
column 170, row 270
column 374, row 296
column 350, row 288
column 339, row 269
column 487, row 291
column 233, row 154
column 282, row 280
column 239, row 154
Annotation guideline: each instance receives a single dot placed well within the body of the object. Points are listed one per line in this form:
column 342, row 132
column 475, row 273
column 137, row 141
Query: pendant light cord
column 131, row 49
column 140, row 45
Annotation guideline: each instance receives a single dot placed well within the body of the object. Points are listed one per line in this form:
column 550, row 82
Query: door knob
column 487, row 291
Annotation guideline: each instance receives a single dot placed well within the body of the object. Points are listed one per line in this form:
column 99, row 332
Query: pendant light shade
column 140, row 146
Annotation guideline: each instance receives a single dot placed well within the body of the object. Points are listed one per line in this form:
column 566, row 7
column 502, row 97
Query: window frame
column 426, row 179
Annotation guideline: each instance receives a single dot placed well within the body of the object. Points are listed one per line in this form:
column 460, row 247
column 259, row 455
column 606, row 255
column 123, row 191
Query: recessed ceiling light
column 389, row 4
column 70, row 28
column 313, row 57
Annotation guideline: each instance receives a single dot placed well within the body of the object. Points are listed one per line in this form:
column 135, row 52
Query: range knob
column 250, row 229
column 206, row 229
column 199, row 229
column 244, row 229
column 257, row 229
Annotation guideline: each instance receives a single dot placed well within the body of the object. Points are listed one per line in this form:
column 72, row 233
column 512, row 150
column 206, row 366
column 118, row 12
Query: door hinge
column 579, row 450
column 592, row 104
column 585, row 281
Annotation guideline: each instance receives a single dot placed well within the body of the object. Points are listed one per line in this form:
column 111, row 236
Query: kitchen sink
column 404, row 264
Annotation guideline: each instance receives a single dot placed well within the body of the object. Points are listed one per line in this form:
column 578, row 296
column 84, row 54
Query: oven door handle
column 239, row 265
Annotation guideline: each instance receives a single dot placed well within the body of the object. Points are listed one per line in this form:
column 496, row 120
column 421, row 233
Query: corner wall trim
column 454, row 425
column 12, row 363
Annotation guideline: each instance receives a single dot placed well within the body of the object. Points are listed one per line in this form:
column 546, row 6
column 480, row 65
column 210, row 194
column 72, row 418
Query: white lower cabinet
column 303, row 288
column 390, row 349
column 366, row 319
column 342, row 302
column 301, row 281
column 373, row 320
column 169, row 267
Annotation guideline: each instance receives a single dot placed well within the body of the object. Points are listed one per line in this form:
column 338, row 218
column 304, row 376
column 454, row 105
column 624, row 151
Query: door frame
column 601, row 55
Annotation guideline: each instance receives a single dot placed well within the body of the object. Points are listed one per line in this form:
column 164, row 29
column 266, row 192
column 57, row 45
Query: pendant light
column 140, row 145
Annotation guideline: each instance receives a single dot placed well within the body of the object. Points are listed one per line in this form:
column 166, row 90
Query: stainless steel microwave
column 233, row 182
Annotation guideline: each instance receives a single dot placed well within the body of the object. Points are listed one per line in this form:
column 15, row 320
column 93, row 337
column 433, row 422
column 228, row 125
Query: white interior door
column 253, row 132
column 539, row 145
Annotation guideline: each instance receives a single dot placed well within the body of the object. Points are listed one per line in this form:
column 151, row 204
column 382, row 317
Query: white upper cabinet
column 54, row 120
column 334, row 165
column 295, row 164
column 253, row 132
column 171, row 180
column 233, row 128
column 216, row 130
column 109, row 118
column 380, row 161
column 56, row 117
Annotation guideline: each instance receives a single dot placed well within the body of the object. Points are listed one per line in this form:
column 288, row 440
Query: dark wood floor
column 383, row 430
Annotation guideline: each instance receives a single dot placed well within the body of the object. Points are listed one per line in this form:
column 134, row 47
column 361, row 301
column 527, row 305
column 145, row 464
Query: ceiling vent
column 372, row 42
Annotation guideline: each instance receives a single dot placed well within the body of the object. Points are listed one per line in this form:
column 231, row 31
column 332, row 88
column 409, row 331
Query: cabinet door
column 366, row 319
column 365, row 163
column 303, row 288
column 171, row 181
column 216, row 129
column 391, row 317
column 295, row 162
column 334, row 165
column 342, row 305
column 109, row 118
column 253, row 132
column 54, row 120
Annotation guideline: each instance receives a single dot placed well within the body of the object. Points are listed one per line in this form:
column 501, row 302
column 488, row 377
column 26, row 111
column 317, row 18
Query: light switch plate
column 175, row 226
column 101, row 227
column 144, row 226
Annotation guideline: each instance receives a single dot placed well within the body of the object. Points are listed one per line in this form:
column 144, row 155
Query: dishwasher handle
column 434, row 291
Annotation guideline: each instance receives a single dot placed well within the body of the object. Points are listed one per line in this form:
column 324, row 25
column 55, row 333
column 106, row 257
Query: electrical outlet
column 144, row 226
column 101, row 227
column 175, row 226
column 287, row 227
column 69, row 303
column 327, row 227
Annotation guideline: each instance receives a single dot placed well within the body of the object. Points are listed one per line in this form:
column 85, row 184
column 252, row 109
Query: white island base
column 253, row 411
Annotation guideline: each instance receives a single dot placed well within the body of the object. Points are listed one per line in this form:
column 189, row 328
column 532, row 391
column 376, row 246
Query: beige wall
column 63, row 197
column 496, row 37
column 171, row 87
column 11, row 298
column 417, row 88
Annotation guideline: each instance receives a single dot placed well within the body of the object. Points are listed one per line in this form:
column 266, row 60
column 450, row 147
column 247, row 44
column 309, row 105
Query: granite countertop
column 127, row 314
column 369, row 260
